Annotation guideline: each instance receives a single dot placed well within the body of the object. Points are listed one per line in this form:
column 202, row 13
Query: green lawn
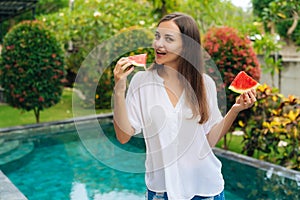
column 10, row 116
column 234, row 143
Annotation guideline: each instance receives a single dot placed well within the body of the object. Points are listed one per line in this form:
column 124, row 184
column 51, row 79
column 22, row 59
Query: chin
column 158, row 62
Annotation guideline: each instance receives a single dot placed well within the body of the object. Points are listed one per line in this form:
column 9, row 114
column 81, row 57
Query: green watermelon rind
column 241, row 91
column 137, row 64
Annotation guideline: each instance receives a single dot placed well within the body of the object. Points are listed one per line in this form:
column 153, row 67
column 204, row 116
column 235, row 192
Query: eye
column 169, row 39
column 157, row 36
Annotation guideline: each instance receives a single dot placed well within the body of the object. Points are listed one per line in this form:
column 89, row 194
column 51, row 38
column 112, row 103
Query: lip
column 160, row 54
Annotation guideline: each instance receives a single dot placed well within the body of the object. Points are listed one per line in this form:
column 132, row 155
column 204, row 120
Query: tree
column 163, row 7
column 31, row 68
column 279, row 16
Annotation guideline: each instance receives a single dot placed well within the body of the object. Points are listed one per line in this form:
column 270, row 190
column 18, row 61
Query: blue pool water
column 62, row 168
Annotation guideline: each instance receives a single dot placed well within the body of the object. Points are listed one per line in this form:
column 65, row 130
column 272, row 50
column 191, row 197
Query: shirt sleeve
column 133, row 103
column 215, row 114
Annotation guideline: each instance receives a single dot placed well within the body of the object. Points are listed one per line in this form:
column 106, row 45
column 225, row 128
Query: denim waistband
column 150, row 195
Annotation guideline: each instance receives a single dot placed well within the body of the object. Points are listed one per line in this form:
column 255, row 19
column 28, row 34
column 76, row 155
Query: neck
column 168, row 73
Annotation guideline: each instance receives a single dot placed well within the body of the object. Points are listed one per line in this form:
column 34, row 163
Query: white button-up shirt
column 179, row 159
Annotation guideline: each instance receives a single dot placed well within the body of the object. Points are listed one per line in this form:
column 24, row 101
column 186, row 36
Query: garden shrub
column 231, row 53
column 272, row 131
column 32, row 67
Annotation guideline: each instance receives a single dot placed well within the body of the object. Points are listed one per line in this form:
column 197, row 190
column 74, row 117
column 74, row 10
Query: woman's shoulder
column 208, row 80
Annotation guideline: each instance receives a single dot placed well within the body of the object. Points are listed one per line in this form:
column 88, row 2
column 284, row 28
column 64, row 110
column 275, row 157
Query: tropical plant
column 272, row 131
column 32, row 67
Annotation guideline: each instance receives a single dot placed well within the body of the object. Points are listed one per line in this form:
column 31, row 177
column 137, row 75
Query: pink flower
column 41, row 99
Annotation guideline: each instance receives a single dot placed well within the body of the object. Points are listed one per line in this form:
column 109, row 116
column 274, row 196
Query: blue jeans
column 150, row 195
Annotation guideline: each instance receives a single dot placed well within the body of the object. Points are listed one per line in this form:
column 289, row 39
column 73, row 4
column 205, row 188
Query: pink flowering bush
column 231, row 53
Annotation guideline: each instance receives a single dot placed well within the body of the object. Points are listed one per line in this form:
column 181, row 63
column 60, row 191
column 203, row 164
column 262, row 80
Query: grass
column 10, row 116
column 234, row 143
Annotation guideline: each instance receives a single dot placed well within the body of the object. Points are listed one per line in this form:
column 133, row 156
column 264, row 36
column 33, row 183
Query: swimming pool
column 61, row 167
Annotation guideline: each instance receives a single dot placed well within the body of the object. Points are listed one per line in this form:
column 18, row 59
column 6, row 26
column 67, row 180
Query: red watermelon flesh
column 243, row 83
column 139, row 60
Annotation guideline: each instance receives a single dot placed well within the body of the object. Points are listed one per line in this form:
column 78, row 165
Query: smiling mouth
column 160, row 53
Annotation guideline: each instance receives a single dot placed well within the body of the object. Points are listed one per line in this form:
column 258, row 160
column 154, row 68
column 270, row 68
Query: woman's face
column 167, row 44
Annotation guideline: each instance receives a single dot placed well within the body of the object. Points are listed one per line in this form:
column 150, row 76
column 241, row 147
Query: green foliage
column 88, row 26
column 269, row 47
column 92, row 22
column 259, row 5
column 272, row 131
column 163, row 7
column 32, row 67
column 217, row 13
column 279, row 16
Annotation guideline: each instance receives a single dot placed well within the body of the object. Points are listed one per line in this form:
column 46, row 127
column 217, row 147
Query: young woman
column 175, row 105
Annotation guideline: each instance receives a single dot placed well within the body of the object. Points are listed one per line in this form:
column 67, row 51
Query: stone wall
column 288, row 80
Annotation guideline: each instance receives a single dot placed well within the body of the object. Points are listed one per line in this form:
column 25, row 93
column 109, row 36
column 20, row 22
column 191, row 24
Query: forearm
column 220, row 129
column 122, row 126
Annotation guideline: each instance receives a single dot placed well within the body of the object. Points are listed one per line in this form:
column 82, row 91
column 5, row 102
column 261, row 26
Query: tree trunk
column 225, row 145
column 37, row 114
column 295, row 22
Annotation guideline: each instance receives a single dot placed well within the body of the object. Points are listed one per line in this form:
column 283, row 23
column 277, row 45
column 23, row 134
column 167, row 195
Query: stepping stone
column 18, row 153
column 7, row 147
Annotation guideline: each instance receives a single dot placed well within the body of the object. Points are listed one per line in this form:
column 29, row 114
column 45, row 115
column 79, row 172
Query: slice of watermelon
column 139, row 60
column 243, row 83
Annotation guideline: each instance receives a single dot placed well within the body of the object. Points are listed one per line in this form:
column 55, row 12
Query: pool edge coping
column 8, row 190
column 53, row 123
column 260, row 164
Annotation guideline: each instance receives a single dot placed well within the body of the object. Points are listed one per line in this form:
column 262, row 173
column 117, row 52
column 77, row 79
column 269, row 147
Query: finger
column 252, row 96
column 238, row 99
column 125, row 66
column 122, row 61
column 129, row 71
column 254, row 92
column 246, row 98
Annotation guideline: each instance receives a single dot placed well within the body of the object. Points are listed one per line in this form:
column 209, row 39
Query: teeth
column 160, row 52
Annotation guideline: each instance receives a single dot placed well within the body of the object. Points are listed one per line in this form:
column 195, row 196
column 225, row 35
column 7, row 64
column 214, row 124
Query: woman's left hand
column 245, row 101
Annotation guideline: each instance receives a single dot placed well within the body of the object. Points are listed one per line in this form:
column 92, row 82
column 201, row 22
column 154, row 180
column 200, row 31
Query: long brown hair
column 191, row 65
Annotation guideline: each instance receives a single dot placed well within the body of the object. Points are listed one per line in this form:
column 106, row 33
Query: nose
column 158, row 43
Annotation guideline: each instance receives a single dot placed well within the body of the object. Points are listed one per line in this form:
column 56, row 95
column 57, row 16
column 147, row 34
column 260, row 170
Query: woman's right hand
column 121, row 71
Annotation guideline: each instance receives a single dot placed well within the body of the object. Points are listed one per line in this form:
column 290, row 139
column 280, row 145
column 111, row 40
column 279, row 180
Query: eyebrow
column 170, row 35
